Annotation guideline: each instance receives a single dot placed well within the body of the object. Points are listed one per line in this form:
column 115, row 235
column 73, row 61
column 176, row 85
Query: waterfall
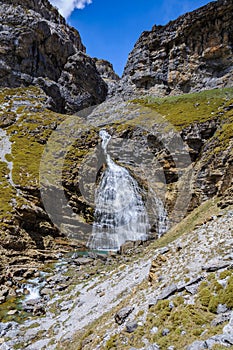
column 5, row 149
column 160, row 214
column 120, row 214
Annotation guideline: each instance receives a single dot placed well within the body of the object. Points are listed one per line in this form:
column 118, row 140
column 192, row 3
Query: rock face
column 189, row 54
column 37, row 47
column 106, row 70
column 107, row 73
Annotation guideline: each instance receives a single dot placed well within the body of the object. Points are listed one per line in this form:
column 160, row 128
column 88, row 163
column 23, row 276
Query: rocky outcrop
column 105, row 68
column 176, row 169
column 107, row 73
column 37, row 47
column 27, row 232
column 189, row 54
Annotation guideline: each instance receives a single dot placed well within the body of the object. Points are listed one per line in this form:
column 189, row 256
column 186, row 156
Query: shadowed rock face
column 39, row 48
column 106, row 70
column 189, row 54
column 107, row 73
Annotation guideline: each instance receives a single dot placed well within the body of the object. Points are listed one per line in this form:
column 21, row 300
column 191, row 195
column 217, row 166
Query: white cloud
column 66, row 7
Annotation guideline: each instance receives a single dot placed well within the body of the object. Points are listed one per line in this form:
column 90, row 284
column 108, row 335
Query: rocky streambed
column 56, row 299
column 123, row 292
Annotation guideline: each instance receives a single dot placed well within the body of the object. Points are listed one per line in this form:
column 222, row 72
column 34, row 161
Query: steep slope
column 189, row 54
column 188, row 303
column 178, row 149
column 39, row 48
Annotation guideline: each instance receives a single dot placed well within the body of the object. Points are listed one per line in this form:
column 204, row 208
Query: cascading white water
column 120, row 214
column 32, row 288
column 5, row 149
column 160, row 221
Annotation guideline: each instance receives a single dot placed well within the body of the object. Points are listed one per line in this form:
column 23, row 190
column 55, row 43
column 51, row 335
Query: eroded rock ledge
column 189, row 54
column 39, row 48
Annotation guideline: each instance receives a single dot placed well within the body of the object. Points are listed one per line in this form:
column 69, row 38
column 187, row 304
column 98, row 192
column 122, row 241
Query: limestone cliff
column 177, row 148
column 105, row 68
column 189, row 54
column 37, row 47
column 180, row 148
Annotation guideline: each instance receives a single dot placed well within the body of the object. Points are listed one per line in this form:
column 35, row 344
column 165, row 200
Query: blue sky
column 109, row 29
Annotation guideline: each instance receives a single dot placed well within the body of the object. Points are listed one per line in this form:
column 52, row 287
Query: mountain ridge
column 191, row 53
column 39, row 48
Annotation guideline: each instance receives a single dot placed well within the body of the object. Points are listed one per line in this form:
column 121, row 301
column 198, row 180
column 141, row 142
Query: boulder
column 121, row 315
column 131, row 327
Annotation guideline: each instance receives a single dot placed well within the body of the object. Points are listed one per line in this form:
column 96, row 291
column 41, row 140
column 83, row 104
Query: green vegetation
column 6, row 193
column 185, row 322
column 213, row 293
column 28, row 136
column 28, row 125
column 184, row 110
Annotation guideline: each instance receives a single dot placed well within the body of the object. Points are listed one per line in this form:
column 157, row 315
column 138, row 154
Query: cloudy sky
column 109, row 29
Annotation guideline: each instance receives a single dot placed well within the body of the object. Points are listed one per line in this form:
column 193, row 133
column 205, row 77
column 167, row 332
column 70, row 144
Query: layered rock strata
column 189, row 54
column 37, row 47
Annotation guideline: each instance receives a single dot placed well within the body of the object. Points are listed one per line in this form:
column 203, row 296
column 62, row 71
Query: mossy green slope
column 184, row 110
column 29, row 126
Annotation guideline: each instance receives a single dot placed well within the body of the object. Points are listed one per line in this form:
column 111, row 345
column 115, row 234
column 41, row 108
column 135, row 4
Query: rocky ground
column 177, row 295
column 30, row 241
column 174, row 293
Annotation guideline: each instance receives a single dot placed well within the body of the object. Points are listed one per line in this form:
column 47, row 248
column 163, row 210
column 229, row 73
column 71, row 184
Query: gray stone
column 163, row 61
column 152, row 302
column 153, row 347
column 131, row 327
column 46, row 291
column 167, row 292
column 62, row 287
column 197, row 345
column 4, row 291
column 128, row 246
column 216, row 267
column 154, row 330
column 164, row 250
column 221, row 308
column 121, row 315
column 66, row 305
column 221, row 318
column 83, row 261
column 171, row 305
column 182, row 286
column 223, row 339
column 165, row 332
column 42, row 49
column 6, row 327
column 192, row 289
column 2, row 300
column 12, row 312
